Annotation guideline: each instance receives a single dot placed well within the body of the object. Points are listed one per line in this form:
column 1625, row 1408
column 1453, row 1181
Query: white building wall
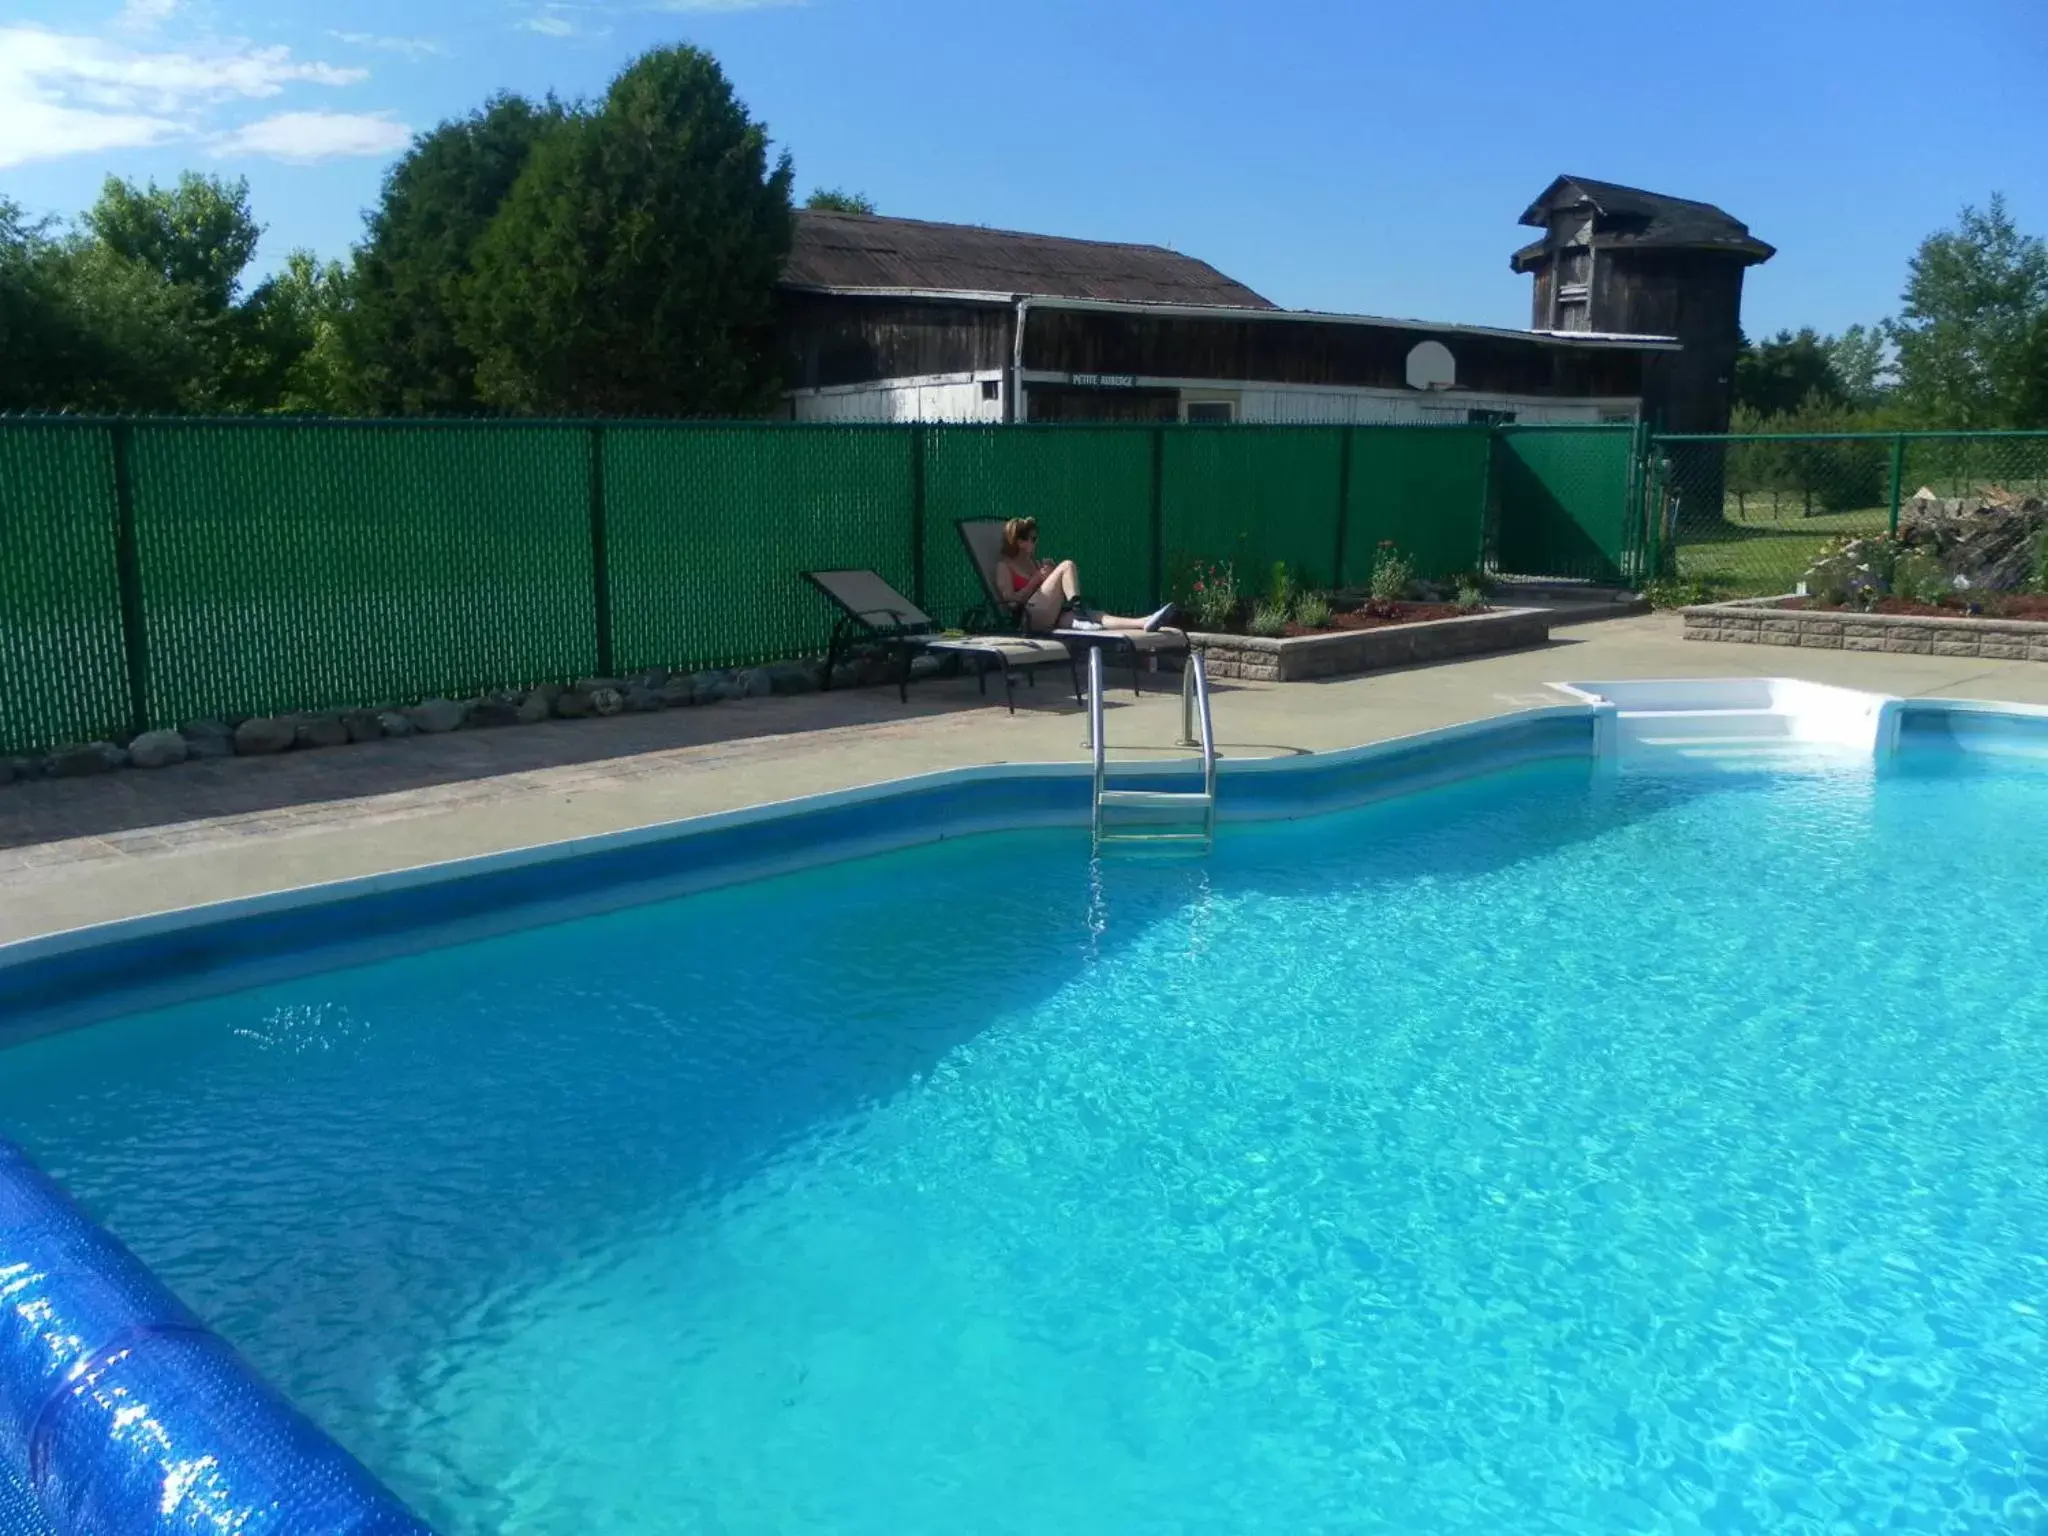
column 950, row 397
column 1381, row 407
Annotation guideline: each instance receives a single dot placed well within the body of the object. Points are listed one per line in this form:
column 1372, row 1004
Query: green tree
column 84, row 328
column 632, row 270
column 1860, row 364
column 1778, row 376
column 198, row 235
column 288, row 353
column 839, row 200
column 399, row 337
column 1974, row 301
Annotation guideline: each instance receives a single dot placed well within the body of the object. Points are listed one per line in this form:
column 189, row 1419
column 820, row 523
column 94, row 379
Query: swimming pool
column 1548, row 1151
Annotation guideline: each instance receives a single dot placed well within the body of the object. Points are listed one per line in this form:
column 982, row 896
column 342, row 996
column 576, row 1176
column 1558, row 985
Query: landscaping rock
column 23, row 768
column 266, row 734
column 716, row 687
column 925, row 664
column 643, row 701
column 437, row 716
column 6, row 771
column 654, row 679
column 538, row 704
column 489, row 713
column 77, row 762
column 392, row 723
column 680, row 692
column 606, row 701
column 795, row 676
column 1986, row 542
column 756, row 683
column 322, row 731
column 158, row 749
column 362, row 725
column 208, row 738
column 595, row 684
column 572, row 704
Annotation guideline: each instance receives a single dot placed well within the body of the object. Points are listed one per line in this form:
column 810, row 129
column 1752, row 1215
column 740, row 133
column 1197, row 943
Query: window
column 991, row 389
column 1211, row 410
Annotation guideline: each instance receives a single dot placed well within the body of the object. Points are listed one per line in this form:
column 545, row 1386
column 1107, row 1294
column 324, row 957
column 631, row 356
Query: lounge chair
column 871, row 609
column 983, row 538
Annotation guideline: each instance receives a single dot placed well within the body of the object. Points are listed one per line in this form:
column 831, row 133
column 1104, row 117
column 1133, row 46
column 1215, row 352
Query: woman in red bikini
column 1048, row 592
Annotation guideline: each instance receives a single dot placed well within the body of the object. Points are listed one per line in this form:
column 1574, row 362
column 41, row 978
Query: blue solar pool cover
column 122, row 1414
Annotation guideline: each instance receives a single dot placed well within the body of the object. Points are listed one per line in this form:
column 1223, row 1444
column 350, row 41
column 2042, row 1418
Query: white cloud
column 68, row 94
column 550, row 26
column 145, row 15
column 407, row 47
column 720, row 5
column 307, row 136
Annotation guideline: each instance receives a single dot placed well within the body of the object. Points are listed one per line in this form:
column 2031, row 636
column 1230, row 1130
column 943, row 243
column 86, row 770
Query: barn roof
column 838, row 251
column 1630, row 216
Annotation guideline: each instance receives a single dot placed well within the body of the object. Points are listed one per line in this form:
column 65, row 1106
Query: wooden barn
column 1618, row 258
column 899, row 320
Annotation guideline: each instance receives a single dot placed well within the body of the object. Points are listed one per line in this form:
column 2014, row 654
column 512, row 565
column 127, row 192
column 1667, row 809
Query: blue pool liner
column 123, row 1415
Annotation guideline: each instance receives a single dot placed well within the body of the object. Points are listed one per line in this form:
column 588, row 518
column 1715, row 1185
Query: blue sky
column 1369, row 157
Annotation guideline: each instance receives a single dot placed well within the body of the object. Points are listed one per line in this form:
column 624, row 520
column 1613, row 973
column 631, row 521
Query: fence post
column 128, row 570
column 1898, row 475
column 917, row 450
column 600, row 571
column 1157, row 518
column 1343, row 505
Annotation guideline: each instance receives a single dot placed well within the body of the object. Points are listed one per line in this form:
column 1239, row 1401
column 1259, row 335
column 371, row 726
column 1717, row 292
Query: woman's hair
column 1015, row 532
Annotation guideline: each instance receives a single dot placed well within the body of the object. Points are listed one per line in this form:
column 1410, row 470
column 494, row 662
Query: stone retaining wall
column 1768, row 622
column 1370, row 650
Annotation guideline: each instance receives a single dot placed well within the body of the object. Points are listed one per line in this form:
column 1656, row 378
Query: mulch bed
column 1383, row 616
column 2032, row 606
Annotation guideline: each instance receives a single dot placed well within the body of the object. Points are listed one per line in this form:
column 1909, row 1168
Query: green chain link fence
column 1746, row 516
column 158, row 571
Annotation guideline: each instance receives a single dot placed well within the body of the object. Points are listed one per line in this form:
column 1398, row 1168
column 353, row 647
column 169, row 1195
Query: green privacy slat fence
column 707, row 529
column 1422, row 487
column 60, row 598
column 1089, row 487
column 158, row 571
column 1565, row 502
column 325, row 565
column 1255, row 495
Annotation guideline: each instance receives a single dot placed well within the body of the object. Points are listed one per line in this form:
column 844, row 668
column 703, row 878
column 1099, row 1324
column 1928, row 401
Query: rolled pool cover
column 126, row 1416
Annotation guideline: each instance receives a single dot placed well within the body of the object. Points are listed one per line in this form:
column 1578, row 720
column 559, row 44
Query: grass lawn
column 1753, row 554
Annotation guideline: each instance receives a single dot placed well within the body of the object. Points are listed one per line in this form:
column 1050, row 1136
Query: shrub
column 1920, row 578
column 1208, row 592
column 1268, row 619
column 1311, row 610
column 1282, row 586
column 1470, row 597
column 1391, row 573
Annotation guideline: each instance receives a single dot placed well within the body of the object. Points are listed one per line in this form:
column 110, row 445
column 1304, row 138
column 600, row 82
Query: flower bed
column 1346, row 652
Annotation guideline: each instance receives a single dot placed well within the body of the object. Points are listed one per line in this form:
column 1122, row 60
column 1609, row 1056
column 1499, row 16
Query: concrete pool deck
column 81, row 851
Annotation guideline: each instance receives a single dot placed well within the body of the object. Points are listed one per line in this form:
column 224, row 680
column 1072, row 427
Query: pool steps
column 1738, row 722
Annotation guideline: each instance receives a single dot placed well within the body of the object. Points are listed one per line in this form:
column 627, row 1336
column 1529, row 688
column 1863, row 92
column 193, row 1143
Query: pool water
column 1547, row 1153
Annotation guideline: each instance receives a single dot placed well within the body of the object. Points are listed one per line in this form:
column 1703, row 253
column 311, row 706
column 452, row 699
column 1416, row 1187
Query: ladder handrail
column 1095, row 735
column 1195, row 691
column 1208, row 740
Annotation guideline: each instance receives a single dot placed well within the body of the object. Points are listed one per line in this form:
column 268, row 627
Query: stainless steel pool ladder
column 1151, row 817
